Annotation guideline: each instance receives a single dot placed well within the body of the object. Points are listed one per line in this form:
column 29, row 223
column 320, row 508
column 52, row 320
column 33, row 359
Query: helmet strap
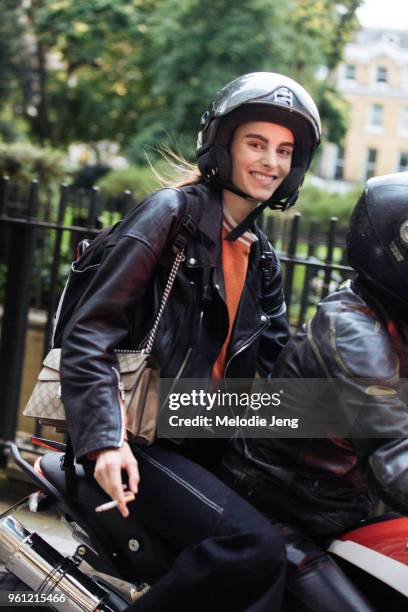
column 274, row 204
column 238, row 192
column 288, row 202
column 246, row 223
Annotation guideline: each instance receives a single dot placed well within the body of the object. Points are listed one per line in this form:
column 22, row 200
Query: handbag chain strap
column 176, row 263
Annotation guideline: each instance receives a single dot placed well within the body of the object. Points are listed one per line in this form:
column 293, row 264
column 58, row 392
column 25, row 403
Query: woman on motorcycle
column 315, row 489
column 225, row 318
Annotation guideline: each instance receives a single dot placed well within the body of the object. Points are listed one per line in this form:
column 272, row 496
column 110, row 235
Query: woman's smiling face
column 261, row 155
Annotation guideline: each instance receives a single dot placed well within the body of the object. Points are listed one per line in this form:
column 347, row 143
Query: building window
column 381, row 74
column 376, row 116
column 371, row 161
column 404, row 119
column 350, row 72
column 339, row 165
column 403, row 162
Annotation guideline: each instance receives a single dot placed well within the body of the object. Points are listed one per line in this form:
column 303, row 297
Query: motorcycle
column 117, row 559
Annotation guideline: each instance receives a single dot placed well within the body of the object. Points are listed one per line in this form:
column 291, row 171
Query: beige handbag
column 138, row 384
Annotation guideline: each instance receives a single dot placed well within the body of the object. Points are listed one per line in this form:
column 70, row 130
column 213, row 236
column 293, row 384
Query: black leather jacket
column 118, row 309
column 327, row 485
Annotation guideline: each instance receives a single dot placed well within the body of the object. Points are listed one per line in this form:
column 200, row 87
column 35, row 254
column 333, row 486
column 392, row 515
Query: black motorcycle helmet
column 259, row 96
column 377, row 242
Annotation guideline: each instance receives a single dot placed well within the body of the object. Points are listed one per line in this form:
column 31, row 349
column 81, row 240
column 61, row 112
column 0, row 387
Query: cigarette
column 114, row 504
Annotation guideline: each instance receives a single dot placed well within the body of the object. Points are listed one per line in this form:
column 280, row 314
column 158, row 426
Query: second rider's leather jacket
column 326, row 485
column 119, row 306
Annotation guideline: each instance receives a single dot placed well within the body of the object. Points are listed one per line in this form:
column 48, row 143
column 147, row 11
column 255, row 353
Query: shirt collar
column 247, row 238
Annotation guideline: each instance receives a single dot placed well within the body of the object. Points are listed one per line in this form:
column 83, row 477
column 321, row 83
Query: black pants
column 231, row 558
column 315, row 583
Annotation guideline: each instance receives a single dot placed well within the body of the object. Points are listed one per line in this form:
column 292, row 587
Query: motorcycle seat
column 110, row 533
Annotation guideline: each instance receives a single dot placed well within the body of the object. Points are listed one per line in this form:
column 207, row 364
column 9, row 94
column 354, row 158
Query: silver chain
column 177, row 261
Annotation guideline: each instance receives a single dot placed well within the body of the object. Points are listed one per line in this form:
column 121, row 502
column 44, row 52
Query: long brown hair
column 180, row 172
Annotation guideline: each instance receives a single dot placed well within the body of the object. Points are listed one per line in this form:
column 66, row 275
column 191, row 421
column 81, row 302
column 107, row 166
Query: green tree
column 194, row 49
column 319, row 31
column 11, row 30
column 78, row 68
column 125, row 70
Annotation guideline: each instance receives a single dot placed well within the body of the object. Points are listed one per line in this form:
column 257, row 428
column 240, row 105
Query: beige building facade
column 374, row 80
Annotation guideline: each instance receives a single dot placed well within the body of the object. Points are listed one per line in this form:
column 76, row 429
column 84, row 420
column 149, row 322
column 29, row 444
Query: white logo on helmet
column 283, row 95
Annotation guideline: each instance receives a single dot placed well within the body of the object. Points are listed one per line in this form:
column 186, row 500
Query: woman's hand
column 108, row 467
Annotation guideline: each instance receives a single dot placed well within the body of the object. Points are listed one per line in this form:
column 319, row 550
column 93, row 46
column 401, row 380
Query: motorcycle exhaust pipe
column 57, row 579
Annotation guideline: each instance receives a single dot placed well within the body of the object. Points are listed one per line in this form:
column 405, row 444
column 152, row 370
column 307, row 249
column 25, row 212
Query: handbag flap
column 49, row 374
column 143, row 408
column 133, row 365
column 50, row 369
column 53, row 359
column 131, row 362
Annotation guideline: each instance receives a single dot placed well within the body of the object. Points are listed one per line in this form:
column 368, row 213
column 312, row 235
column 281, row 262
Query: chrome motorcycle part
column 133, row 545
column 45, row 571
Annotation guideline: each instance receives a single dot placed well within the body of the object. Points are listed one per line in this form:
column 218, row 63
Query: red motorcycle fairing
column 380, row 548
column 388, row 537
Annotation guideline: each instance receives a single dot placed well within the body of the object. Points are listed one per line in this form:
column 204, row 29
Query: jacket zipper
column 58, row 313
column 184, row 363
column 188, row 353
column 121, row 386
column 245, row 345
column 178, row 375
column 121, row 390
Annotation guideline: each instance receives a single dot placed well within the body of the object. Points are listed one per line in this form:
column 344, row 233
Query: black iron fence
column 39, row 231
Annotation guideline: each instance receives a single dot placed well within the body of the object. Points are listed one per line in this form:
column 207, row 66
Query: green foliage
column 128, row 70
column 320, row 205
column 334, row 111
column 196, row 52
column 293, row 38
column 76, row 76
column 319, row 29
column 8, row 132
column 140, row 180
column 87, row 176
column 10, row 36
column 22, row 161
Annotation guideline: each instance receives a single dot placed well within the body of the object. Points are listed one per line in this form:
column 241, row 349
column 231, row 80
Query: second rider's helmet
column 259, row 96
column 377, row 242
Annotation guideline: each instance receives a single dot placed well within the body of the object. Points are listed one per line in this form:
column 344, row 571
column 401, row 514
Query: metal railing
column 39, row 231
